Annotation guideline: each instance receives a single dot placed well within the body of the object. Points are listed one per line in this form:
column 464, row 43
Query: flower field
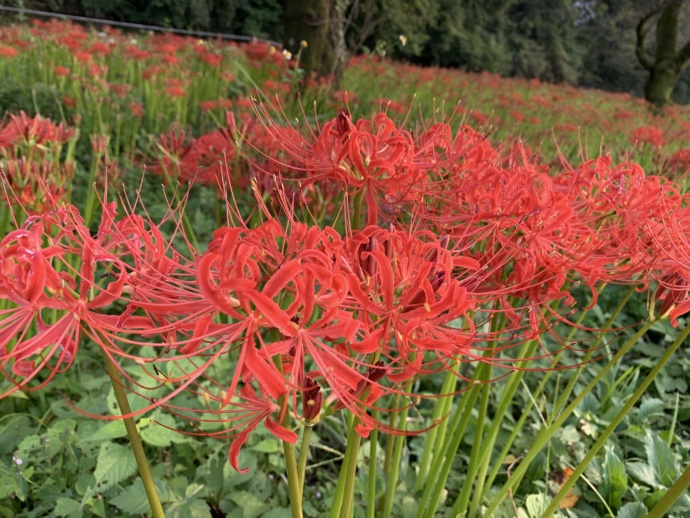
column 227, row 289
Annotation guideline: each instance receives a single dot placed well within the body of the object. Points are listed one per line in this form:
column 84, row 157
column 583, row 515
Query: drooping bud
column 343, row 122
column 312, row 400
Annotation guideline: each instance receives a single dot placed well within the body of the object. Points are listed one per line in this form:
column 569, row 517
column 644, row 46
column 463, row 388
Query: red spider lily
column 37, row 274
column 647, row 135
column 408, row 289
column 38, row 184
column 33, row 131
column 371, row 158
column 7, row 52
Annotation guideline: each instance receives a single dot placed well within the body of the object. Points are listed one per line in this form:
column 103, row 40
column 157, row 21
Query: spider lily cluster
column 387, row 256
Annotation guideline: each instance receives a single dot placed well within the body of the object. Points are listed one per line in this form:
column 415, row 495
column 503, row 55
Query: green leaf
column 267, row 446
column 570, row 435
column 12, row 483
column 115, row 463
column 112, row 430
column 211, row 472
column 194, row 508
column 160, row 430
column 632, row 510
column 642, row 472
column 651, row 407
column 278, row 512
column 661, row 459
column 615, row 479
column 132, row 500
column 68, row 508
column 250, row 504
column 536, row 505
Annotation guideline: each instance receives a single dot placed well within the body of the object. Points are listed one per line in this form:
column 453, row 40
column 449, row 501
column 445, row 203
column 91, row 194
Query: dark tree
column 668, row 61
column 310, row 21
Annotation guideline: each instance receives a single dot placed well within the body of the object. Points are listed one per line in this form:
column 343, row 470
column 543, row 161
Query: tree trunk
column 661, row 83
column 668, row 61
column 309, row 20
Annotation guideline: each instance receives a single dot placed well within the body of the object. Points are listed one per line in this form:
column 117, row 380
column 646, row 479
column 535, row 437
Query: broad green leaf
column 660, row 458
column 649, row 408
column 536, row 505
column 278, row 512
column 19, row 395
column 160, row 430
column 250, row 504
column 194, row 508
column 654, row 498
column 267, row 446
column 109, row 431
column 68, row 508
column 97, row 506
column 12, row 483
column 615, row 479
column 132, row 500
column 115, row 463
column 642, row 471
column 211, row 473
column 136, row 403
column 84, row 483
column 632, row 510
column 570, row 435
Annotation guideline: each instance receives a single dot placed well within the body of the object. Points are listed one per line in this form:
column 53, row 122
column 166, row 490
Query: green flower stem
column 342, row 500
column 388, row 455
column 303, row 455
column 291, row 470
column 392, row 478
column 91, row 193
column 371, row 481
column 540, row 388
column 674, row 493
column 478, row 445
column 293, row 480
column 582, row 465
column 440, row 409
column 357, row 213
column 134, row 439
column 351, row 475
column 488, row 446
column 437, row 479
column 545, row 435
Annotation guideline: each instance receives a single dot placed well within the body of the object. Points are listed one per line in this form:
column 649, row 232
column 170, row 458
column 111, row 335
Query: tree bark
column 668, row 62
column 660, row 85
column 309, row 20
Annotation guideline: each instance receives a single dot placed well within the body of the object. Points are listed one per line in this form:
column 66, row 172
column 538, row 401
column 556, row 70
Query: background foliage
column 580, row 42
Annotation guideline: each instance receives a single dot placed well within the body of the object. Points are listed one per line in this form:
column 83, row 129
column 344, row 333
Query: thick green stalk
column 390, row 442
column 440, row 409
column 293, row 474
column 545, row 435
column 348, row 502
column 91, row 193
column 349, row 467
column 437, row 479
column 293, row 480
column 582, row 465
column 134, row 439
column 674, row 493
column 478, row 444
column 392, row 478
column 564, row 394
column 371, row 482
column 303, row 456
column 488, row 446
column 357, row 213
